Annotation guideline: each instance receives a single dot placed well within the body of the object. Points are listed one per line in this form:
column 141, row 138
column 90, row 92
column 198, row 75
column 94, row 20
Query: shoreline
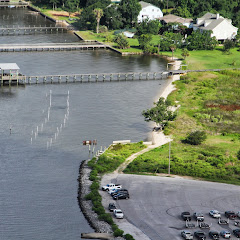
column 158, row 139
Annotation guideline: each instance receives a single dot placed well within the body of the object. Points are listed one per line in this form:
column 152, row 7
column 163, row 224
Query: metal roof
column 9, row 66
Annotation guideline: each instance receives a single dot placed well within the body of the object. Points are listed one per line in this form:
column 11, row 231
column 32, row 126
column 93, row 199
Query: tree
column 121, row 41
column 129, row 10
column 160, row 114
column 201, row 41
column 112, row 17
column 227, row 45
column 196, row 137
column 54, row 3
column 172, row 47
column 168, row 39
column 185, row 53
column 148, row 27
column 98, row 12
column 71, row 6
column 144, row 40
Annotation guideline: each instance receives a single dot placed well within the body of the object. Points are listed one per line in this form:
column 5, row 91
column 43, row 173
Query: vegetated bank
column 210, row 102
column 89, row 198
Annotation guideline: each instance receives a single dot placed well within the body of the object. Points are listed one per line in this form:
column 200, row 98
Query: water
column 40, row 158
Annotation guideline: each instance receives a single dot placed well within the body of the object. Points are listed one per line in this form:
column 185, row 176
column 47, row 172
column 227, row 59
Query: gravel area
column 86, row 205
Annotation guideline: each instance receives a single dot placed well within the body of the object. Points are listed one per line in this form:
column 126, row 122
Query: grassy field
column 210, row 102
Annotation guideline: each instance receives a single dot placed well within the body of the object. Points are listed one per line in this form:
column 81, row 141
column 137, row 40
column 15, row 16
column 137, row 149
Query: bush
column 118, row 233
column 99, row 210
column 238, row 155
column 107, row 218
column 195, row 138
column 128, row 237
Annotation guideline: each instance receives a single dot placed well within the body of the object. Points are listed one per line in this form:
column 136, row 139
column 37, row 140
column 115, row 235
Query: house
column 115, row 1
column 221, row 27
column 149, row 11
column 170, row 18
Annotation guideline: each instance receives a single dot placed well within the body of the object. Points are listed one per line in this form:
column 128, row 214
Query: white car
column 186, row 235
column 225, row 234
column 215, row 214
column 118, row 213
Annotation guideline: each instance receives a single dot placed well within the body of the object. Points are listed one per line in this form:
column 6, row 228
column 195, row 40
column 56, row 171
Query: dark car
column 121, row 196
column 214, row 235
column 186, row 216
column 236, row 232
column 119, row 191
column 111, row 207
column 230, row 214
column 200, row 235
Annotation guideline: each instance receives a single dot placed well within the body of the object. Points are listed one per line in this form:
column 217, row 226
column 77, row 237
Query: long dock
column 6, row 4
column 32, row 30
column 51, row 47
column 87, row 78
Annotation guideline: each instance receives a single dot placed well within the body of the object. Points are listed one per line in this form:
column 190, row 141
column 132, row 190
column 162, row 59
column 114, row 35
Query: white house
column 149, row 11
column 221, row 27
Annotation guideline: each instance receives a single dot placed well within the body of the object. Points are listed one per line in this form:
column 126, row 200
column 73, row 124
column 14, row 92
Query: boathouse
column 9, row 73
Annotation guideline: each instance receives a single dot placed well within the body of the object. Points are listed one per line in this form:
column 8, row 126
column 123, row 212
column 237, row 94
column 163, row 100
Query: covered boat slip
column 9, row 73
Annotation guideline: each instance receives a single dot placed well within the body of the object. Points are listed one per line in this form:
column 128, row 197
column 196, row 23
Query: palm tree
column 98, row 12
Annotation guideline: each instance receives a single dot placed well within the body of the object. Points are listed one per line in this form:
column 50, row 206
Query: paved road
column 157, row 202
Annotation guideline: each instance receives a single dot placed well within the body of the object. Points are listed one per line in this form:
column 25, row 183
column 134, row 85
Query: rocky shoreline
column 86, row 205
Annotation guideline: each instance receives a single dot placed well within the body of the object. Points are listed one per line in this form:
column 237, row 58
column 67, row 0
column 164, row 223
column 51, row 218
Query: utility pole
column 169, row 157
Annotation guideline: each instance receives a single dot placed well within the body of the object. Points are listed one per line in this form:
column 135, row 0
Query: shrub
column 118, row 233
column 95, row 186
column 99, row 210
column 238, row 155
column 128, row 237
column 195, row 138
column 107, row 218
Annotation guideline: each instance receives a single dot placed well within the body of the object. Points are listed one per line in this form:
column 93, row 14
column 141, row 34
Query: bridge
column 52, row 47
column 32, row 30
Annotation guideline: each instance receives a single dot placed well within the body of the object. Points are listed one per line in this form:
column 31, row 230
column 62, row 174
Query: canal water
column 42, row 128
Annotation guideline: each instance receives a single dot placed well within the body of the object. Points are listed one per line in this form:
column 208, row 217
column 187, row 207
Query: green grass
column 215, row 159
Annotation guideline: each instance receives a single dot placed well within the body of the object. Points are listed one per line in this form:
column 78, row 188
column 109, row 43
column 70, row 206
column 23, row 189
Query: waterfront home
column 149, row 11
column 221, row 27
column 171, row 18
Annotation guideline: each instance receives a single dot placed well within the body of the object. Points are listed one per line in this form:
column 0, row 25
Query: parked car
column 119, row 191
column 111, row 207
column 214, row 235
column 118, row 213
column 198, row 216
column 111, row 186
column 186, row 235
column 230, row 214
column 215, row 214
column 200, row 235
column 225, row 234
column 238, row 214
column 186, row 216
column 236, row 232
column 121, row 196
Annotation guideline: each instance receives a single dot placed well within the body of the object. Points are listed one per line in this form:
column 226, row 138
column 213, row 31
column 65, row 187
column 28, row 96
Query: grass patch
column 205, row 100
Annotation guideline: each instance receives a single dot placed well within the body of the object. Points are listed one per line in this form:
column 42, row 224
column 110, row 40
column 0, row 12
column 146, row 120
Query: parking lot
column 156, row 204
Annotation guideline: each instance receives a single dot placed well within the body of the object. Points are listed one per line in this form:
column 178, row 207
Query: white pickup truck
column 111, row 186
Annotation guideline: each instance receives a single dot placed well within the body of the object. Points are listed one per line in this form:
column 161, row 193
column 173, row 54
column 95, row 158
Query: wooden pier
column 51, row 47
column 9, row 4
column 92, row 78
column 17, row 30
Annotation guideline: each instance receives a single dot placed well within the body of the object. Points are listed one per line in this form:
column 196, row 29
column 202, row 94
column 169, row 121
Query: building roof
column 210, row 16
column 145, row 4
column 173, row 18
column 9, row 66
column 212, row 24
